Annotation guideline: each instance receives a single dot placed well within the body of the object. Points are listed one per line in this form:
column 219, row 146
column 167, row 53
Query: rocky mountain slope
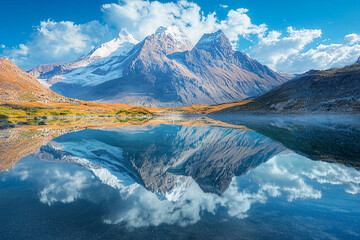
column 333, row 90
column 18, row 86
column 166, row 70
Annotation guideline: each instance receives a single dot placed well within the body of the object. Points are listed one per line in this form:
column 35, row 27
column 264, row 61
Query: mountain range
column 164, row 69
column 163, row 156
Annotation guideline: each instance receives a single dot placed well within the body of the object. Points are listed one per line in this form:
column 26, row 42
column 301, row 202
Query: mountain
column 18, row 86
column 333, row 90
column 163, row 157
column 166, row 70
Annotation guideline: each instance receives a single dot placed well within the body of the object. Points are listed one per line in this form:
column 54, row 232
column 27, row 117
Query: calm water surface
column 272, row 178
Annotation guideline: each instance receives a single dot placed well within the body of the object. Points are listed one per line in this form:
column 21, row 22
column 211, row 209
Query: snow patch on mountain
column 120, row 45
column 209, row 40
column 180, row 39
column 181, row 186
column 110, row 56
column 91, row 68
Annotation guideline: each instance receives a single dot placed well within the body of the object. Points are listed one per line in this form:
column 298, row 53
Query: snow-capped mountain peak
column 107, row 48
column 162, row 70
column 209, row 39
column 180, row 39
column 216, row 43
column 171, row 30
column 91, row 69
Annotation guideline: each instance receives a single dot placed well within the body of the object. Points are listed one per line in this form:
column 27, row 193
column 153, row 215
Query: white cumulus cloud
column 324, row 56
column 142, row 18
column 273, row 49
column 63, row 187
column 58, row 41
column 286, row 52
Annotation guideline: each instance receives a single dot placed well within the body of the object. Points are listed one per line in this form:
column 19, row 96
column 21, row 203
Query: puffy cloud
column 238, row 23
column 286, row 177
column 273, row 179
column 287, row 54
column 58, row 41
column 324, row 56
column 66, row 41
column 143, row 17
column 273, row 49
column 335, row 174
column 2, row 46
column 63, row 187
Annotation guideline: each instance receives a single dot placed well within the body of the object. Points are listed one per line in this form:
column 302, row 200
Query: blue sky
column 332, row 24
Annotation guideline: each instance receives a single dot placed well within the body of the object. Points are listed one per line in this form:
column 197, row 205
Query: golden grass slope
column 18, row 86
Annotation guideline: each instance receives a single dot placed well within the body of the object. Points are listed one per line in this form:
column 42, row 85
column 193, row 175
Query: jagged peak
column 219, row 32
column 213, row 36
column 125, row 35
column 108, row 48
column 358, row 61
column 172, row 39
column 172, row 30
column 177, row 34
column 217, row 40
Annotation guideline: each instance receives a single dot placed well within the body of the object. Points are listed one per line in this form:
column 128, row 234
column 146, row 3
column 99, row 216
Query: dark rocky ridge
column 330, row 138
column 334, row 90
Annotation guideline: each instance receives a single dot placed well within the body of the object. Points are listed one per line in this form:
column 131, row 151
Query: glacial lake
column 237, row 177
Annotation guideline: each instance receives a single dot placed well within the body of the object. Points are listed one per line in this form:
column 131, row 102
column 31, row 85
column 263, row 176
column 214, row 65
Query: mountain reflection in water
column 159, row 156
column 188, row 178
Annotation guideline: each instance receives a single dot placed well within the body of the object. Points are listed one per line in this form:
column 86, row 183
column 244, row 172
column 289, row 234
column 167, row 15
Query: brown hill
column 19, row 86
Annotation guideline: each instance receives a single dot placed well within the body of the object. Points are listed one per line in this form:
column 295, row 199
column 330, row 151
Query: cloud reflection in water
column 286, row 177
